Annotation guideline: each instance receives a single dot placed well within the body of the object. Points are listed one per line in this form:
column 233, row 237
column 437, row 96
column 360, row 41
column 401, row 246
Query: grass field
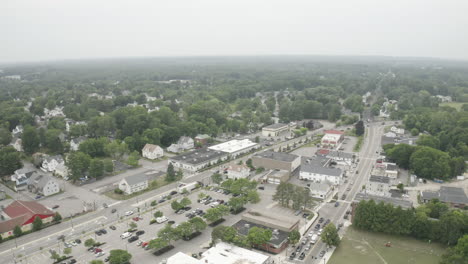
column 360, row 247
column 453, row 104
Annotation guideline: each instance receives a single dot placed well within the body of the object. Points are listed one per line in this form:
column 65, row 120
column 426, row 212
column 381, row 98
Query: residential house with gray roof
column 134, row 183
column 453, row 196
column 43, row 185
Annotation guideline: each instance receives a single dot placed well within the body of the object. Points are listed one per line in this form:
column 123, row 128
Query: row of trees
column 288, row 194
column 184, row 230
column 256, row 237
column 447, row 228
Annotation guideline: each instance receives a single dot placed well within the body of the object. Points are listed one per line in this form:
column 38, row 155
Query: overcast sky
column 33, row 30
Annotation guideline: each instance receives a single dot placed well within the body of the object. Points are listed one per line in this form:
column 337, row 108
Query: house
column 56, row 112
column 317, row 170
column 22, row 214
column 62, row 171
column 151, row 151
column 43, row 185
column 390, row 134
column 75, row 143
column 202, row 139
column 238, row 171
column 185, row 143
column 276, row 161
column 134, row 183
column 21, row 178
column 50, row 163
column 378, row 186
column 398, row 131
column 320, row 190
column 332, row 138
column 386, row 169
column 18, row 130
column 222, row 253
column 453, row 196
column 275, row 130
column 17, row 144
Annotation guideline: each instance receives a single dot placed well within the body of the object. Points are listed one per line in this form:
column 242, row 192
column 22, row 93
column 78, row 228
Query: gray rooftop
column 447, row 195
column 280, row 156
column 276, row 126
column 405, row 204
column 199, row 156
column 317, row 165
column 244, row 226
column 135, row 179
column 39, row 181
column 381, row 179
column 340, row 154
column 392, row 167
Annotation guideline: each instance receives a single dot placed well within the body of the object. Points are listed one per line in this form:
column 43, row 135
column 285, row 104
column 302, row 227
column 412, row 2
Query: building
column 151, row 151
column 317, row 170
column 275, row 130
column 50, row 163
column 386, row 169
column 235, row 147
column 280, row 226
column 405, row 204
column 183, row 144
column 22, row 214
column 222, row 253
column 18, row 130
column 397, row 131
column 202, row 139
column 199, row 159
column 332, row 138
column 17, row 144
column 56, row 112
column 75, row 143
column 276, row 176
column 340, row 157
column 62, row 171
column 238, row 171
column 453, row 196
column 43, row 185
column 134, row 183
column 276, row 161
column 320, row 190
column 378, row 186
column 21, row 178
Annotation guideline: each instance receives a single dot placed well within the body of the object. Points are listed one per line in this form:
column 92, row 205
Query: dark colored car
column 171, row 222
column 103, row 231
column 302, row 256
column 139, row 233
column 321, row 220
column 107, row 259
column 187, row 208
column 55, row 206
column 113, row 210
column 317, row 226
column 112, row 227
column 98, row 232
column 91, row 249
column 261, row 188
column 322, row 253
column 162, row 201
column 173, row 193
column 292, row 256
column 133, row 239
column 78, row 241
column 72, row 261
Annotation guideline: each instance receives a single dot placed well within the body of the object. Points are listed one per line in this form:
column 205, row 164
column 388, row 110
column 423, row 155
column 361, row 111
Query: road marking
column 116, row 203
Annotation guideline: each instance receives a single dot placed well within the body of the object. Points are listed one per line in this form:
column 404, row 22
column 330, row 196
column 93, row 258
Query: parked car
column 173, row 193
column 125, row 235
column 136, row 219
column 97, row 250
column 55, row 206
column 261, row 188
column 302, row 256
column 292, row 256
column 140, row 232
column 133, row 239
column 99, row 254
column 322, row 253
column 113, row 210
column 321, row 220
column 171, row 222
column 128, row 213
column 112, row 227
column 72, row 261
column 103, row 231
column 78, row 241
column 337, row 204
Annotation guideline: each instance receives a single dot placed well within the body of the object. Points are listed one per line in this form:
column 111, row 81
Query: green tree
column 108, row 166
column 430, row 163
column 253, row 196
column 401, row 187
column 30, row 140
column 119, row 256
column 9, row 160
column 158, row 214
column 158, row 243
column 17, row 231
column 116, row 149
column 330, row 235
column 5, row 136
column 294, row 236
column 78, row 164
column 133, row 159
column 133, row 225
column 179, row 174
column 170, row 173
column 400, row 153
column 37, row 224
column 185, row 202
column 168, row 233
column 96, row 261
column 94, row 147
column 359, row 128
column 96, row 168
column 217, row 178
column 458, row 254
column 198, row 224
column 57, row 217
column 237, row 203
column 259, row 236
column 89, row 242
column 215, row 214
column 175, row 205
column 67, row 251
column 184, row 230
column 52, row 141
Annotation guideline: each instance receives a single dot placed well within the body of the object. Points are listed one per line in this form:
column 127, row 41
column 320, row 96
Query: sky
column 43, row 30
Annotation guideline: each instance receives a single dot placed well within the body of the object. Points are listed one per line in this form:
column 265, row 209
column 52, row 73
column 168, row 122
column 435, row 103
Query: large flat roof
column 318, row 165
column 405, row 204
column 224, row 253
column 381, row 179
column 271, row 220
column 233, row 146
column 447, row 194
column 243, row 227
column 281, row 156
column 198, row 156
column 276, row 126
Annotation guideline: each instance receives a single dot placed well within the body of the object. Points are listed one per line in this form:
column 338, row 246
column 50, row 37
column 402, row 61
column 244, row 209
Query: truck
column 314, row 238
column 187, row 186
column 161, row 219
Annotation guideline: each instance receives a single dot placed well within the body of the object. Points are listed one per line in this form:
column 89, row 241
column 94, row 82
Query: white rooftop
column 233, row 145
column 181, row 258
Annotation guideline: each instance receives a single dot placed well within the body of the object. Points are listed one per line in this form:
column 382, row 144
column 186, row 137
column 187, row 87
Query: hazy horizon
column 54, row 30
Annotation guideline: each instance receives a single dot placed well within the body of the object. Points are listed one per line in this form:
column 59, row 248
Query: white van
column 313, row 240
column 125, row 235
column 161, row 219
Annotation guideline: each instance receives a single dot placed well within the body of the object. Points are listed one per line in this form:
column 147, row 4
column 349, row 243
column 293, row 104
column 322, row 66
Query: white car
column 99, row 254
column 320, row 231
column 125, row 235
column 214, row 204
column 73, row 243
column 128, row 213
column 161, row 219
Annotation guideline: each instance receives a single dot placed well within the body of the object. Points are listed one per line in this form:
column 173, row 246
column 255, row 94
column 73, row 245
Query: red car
column 96, row 250
column 144, row 244
column 136, row 219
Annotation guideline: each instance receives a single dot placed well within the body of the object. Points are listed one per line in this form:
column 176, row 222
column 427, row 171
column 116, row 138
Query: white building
column 50, row 163
column 332, row 138
column 275, row 130
column 17, row 143
column 21, row 178
column 75, row 143
column 56, row 112
column 135, row 183
column 183, row 144
column 17, row 130
column 62, row 171
column 235, row 147
column 379, row 186
column 398, row 131
column 151, row 151
column 238, row 171
column 320, row 190
column 222, row 253
column 317, row 170
column 43, row 185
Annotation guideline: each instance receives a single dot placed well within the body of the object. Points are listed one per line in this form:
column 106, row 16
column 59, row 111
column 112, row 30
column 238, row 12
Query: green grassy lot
column 453, row 104
column 360, row 247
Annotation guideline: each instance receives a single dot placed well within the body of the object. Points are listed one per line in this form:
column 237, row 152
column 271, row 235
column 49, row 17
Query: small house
column 151, row 151
column 134, row 183
column 43, row 185
column 50, row 163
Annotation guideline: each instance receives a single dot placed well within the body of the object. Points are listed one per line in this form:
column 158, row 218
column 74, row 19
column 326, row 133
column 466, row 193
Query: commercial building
column 317, row 169
column 235, row 147
column 22, row 214
column 275, row 130
column 276, row 176
column 453, row 196
column 320, row 190
column 340, row 157
column 237, row 171
column 378, row 185
column 280, row 226
column 332, row 138
column 276, row 161
column 222, row 253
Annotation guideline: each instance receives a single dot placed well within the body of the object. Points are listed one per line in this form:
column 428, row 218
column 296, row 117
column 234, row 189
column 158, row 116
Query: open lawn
column 360, row 247
column 453, row 104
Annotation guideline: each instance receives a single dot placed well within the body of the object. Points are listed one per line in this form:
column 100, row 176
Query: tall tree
column 5, row 136
column 78, row 164
column 37, row 224
column 30, row 140
column 119, row 256
column 330, row 235
column 359, row 128
column 170, row 173
column 96, row 168
column 9, row 160
column 259, row 236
